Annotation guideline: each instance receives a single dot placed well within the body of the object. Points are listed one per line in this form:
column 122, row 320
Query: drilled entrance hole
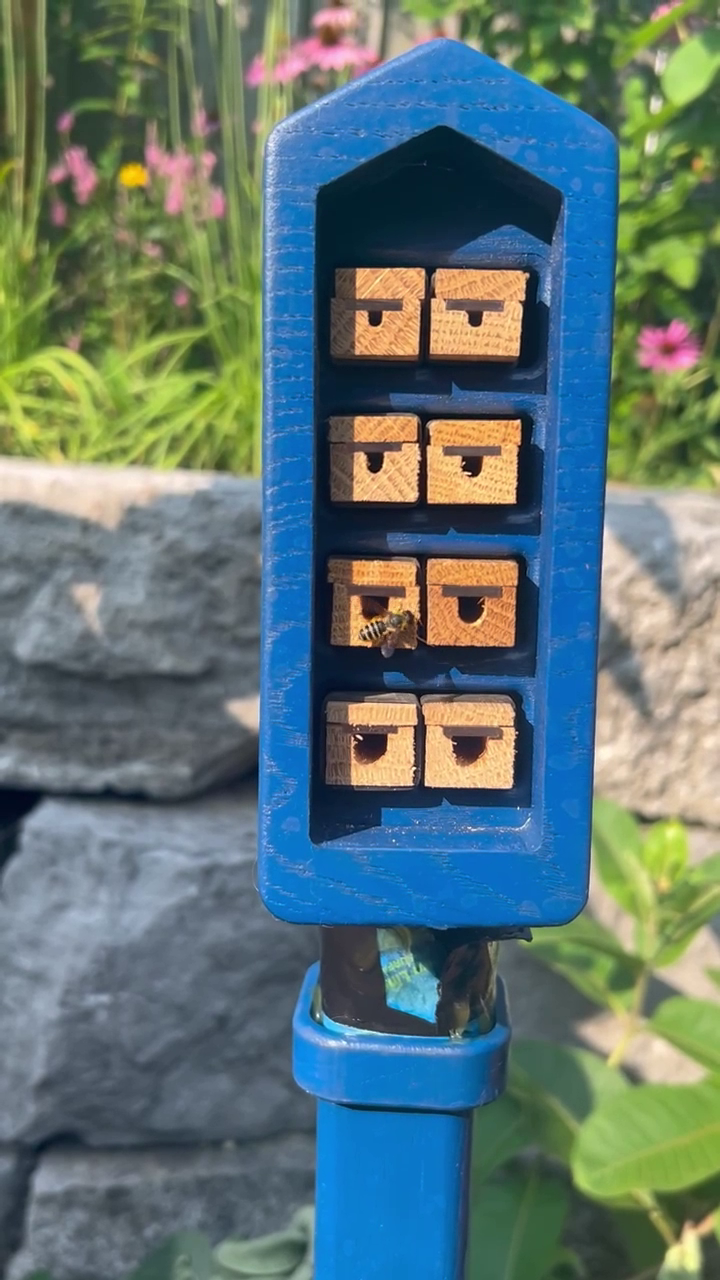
column 371, row 606
column 471, row 608
column 472, row 466
column 468, row 750
column 374, row 462
column 475, row 318
column 369, row 747
column 375, row 319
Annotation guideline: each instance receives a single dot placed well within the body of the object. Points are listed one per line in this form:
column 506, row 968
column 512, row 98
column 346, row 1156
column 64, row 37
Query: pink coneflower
column 298, row 59
column 667, row 350
column 58, row 213
column 344, row 54
column 65, row 122
column 338, row 18
column 181, row 297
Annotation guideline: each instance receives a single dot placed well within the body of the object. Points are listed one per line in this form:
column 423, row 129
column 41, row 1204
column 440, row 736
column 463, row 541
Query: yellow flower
column 133, row 175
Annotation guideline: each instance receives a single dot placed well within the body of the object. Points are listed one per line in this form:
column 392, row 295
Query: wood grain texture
column 361, row 473
column 486, row 620
column 485, row 760
column 352, row 609
column 371, row 741
column 488, row 335
column 375, row 333
column 490, row 480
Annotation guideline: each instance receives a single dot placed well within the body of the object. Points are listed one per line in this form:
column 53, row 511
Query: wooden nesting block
column 472, row 602
column 477, row 315
column 371, row 740
column 469, row 741
column 376, row 313
column 364, row 590
column 473, row 462
column 375, row 459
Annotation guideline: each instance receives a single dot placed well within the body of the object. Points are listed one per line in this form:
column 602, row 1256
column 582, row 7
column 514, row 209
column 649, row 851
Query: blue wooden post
column 439, row 263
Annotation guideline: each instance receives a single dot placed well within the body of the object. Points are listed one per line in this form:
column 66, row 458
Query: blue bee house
column 439, row 259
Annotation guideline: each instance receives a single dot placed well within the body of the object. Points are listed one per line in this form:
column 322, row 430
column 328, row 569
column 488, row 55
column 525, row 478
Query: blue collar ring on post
column 439, row 266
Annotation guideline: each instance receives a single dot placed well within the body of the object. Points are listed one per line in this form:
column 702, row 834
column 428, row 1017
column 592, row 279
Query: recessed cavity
column 471, row 609
column 472, row 466
column 369, row 747
column 375, row 319
column 468, row 750
column 374, row 462
column 475, row 319
column 372, row 606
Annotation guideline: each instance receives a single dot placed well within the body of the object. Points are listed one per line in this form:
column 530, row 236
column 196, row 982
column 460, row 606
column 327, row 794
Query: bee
column 385, row 631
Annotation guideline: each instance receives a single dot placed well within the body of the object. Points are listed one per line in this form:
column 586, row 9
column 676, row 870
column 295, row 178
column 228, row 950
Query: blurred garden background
column 130, row 210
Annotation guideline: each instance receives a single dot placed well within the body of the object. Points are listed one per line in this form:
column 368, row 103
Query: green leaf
column 652, row 1137
column 665, row 853
column 692, row 68
column 500, row 1131
column 559, row 1087
column 693, row 1026
column 697, row 906
column 184, row 1256
column 639, row 1238
column 683, row 1261
column 590, row 958
column 286, row 1255
column 515, row 1228
column 650, row 32
column 618, row 849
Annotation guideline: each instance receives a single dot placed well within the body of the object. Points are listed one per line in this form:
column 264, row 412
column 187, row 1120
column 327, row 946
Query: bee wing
column 372, row 603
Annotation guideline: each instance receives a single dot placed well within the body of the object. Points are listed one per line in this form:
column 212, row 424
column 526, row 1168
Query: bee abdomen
column 373, row 631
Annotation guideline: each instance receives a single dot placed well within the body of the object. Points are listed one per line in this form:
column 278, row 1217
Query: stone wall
column 145, row 995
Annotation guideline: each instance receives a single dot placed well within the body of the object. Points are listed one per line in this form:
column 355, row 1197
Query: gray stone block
column 658, row 735
column 129, row 623
column 98, row 1214
column 14, row 1169
column 146, row 994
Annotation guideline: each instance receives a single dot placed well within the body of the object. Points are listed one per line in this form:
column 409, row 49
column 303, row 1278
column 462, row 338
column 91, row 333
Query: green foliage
column 655, row 84
column 649, row 1153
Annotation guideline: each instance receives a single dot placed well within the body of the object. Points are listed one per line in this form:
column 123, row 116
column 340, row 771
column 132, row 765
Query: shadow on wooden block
column 375, row 459
column 364, row 592
column 371, row 741
column 469, row 741
column 477, row 315
column 376, row 313
column 473, row 462
column 472, row 602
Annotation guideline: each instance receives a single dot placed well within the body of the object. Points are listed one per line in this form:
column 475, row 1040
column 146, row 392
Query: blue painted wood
column 393, row 1134
column 440, row 157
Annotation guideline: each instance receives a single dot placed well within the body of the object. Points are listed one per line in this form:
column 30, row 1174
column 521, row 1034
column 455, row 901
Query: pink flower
column 174, row 199
column 74, row 342
column 337, row 19
column 181, row 297
column 65, row 122
column 82, row 172
column 155, row 157
column 58, row 173
column 344, row 54
column 255, row 74
column 152, row 250
column 663, row 9
column 208, row 160
column 58, row 213
column 667, row 350
column 298, row 59
column 217, row 203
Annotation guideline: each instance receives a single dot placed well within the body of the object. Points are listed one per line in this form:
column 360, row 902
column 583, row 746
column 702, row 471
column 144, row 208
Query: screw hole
column 374, row 462
column 373, row 606
column 468, row 750
column 369, row 747
column 375, row 319
column 471, row 609
column 472, row 466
